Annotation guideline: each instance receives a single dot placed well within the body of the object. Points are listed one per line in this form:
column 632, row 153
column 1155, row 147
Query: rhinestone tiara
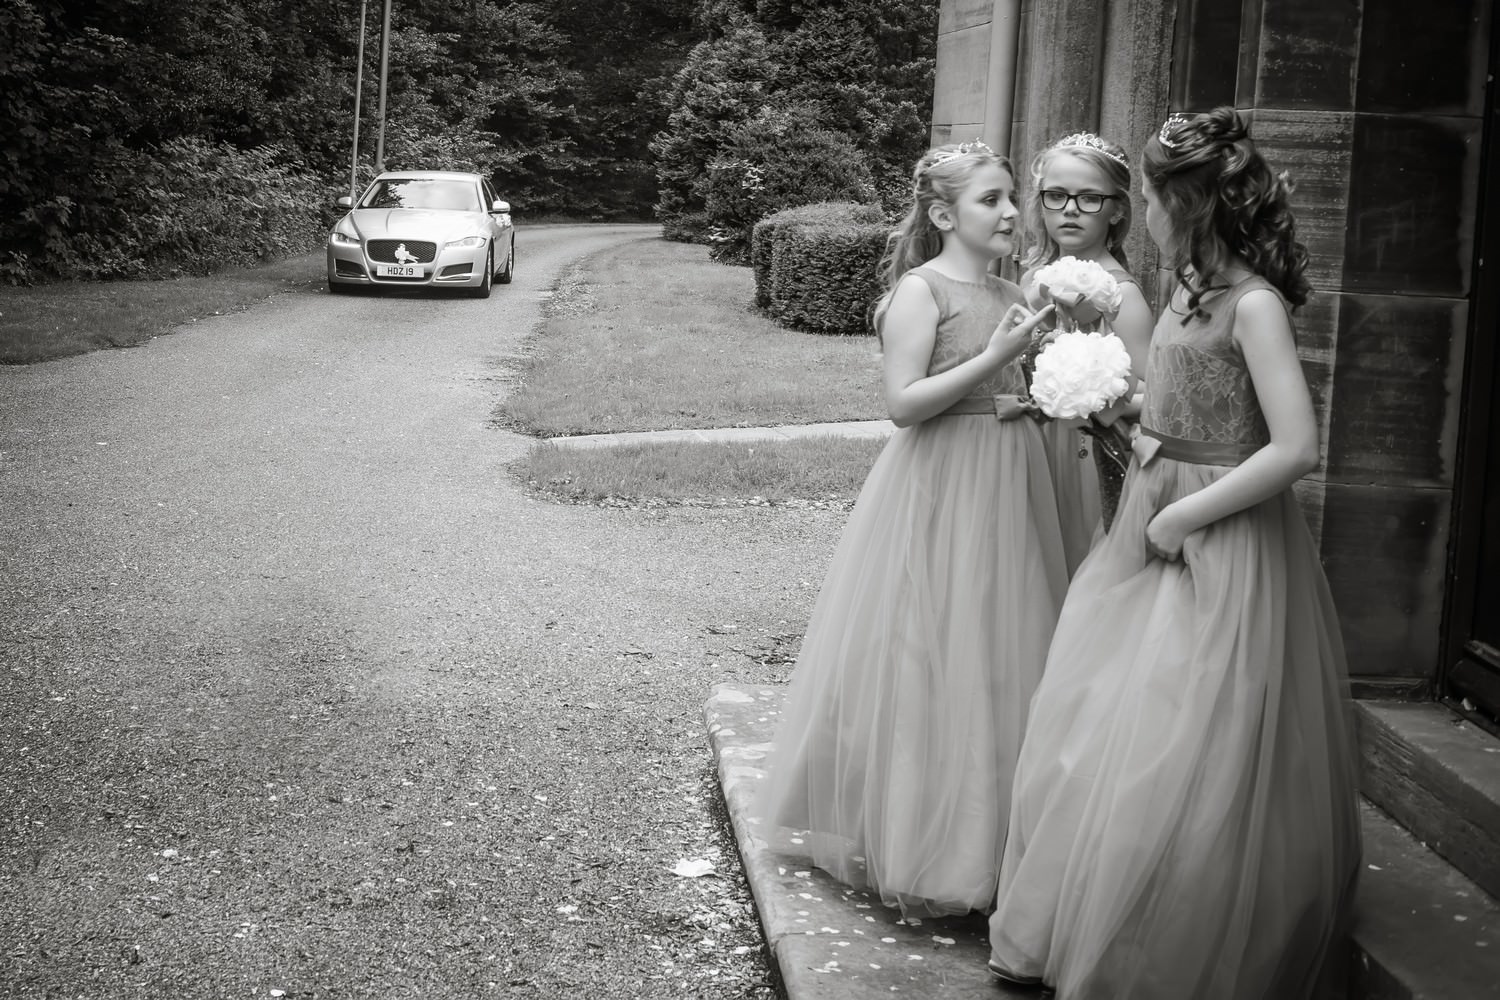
column 1088, row 140
column 1170, row 126
column 964, row 149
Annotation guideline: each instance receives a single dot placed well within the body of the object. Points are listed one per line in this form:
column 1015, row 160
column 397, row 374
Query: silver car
column 423, row 229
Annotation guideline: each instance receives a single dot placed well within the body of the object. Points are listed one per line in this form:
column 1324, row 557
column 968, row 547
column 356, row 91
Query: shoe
column 1014, row 978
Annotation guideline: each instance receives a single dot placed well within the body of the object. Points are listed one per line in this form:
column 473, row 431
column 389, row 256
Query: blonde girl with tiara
column 892, row 761
column 1185, row 817
column 1078, row 205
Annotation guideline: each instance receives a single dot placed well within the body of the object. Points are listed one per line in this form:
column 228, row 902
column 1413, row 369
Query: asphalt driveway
column 303, row 696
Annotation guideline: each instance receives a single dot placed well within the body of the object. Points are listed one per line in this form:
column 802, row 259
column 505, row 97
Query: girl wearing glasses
column 1185, row 819
column 894, row 753
column 1079, row 206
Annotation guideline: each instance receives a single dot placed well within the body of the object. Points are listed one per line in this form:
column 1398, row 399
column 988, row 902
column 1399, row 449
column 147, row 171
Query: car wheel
column 510, row 264
column 334, row 288
column 483, row 291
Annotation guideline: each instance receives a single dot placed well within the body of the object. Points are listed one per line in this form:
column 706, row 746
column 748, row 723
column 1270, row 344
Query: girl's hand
column 1013, row 335
column 1165, row 535
column 1121, row 407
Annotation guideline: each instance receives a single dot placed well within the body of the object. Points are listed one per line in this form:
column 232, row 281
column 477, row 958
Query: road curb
column 842, row 429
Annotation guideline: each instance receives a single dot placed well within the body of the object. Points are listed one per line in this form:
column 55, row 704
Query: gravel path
column 303, row 696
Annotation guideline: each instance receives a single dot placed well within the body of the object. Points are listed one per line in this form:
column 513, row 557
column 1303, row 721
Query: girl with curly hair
column 1184, row 820
column 893, row 757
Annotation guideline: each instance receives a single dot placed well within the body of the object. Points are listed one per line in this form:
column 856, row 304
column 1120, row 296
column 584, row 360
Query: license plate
column 398, row 271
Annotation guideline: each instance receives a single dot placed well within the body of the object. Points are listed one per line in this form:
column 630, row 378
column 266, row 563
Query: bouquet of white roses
column 1078, row 375
column 1083, row 292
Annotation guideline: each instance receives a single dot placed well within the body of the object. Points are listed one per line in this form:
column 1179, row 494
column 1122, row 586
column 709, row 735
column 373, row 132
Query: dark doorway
column 1471, row 642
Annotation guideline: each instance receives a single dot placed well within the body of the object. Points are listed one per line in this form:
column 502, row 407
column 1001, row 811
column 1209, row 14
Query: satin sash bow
column 1002, row 405
column 1147, row 444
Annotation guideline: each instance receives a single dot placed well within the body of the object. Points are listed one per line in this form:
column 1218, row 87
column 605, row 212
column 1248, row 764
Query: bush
column 781, row 159
column 825, row 275
column 215, row 206
column 763, row 235
column 187, row 206
column 722, row 83
column 685, row 227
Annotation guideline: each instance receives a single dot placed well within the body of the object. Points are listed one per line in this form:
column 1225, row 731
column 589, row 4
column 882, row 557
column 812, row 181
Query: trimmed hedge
column 817, row 266
column 763, row 234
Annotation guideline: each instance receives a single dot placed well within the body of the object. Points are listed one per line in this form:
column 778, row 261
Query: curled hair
column 939, row 178
column 1111, row 161
column 1222, row 200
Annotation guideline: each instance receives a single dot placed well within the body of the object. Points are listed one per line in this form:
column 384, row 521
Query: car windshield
column 411, row 192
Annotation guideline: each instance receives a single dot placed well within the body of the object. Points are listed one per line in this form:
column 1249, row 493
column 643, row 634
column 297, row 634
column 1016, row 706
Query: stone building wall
column 1377, row 110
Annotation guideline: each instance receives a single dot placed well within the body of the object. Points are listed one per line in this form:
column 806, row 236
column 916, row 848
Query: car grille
column 385, row 250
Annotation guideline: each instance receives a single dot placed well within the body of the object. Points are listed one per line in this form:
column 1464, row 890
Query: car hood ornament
column 403, row 255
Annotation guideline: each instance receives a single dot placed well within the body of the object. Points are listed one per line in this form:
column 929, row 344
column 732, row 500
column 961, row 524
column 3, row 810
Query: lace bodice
column 968, row 313
column 1197, row 385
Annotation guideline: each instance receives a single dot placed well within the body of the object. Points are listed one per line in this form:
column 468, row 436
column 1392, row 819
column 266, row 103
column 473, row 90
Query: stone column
column 963, row 91
column 1135, row 81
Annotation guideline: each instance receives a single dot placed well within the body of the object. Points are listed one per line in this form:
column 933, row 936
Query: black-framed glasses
column 1088, row 202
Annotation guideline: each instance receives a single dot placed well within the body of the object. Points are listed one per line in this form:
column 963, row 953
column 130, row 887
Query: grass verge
column 59, row 320
column 817, row 471
column 653, row 335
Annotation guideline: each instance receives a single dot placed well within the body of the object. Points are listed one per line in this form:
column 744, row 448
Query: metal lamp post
column 359, row 88
column 385, row 58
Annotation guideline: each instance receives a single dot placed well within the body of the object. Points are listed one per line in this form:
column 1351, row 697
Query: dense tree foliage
column 108, row 107
column 859, row 70
column 246, row 110
column 725, row 83
column 146, row 136
column 782, row 158
column 624, row 53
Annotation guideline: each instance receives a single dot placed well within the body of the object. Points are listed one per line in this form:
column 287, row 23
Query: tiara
column 1171, row 125
column 1088, row 140
column 964, row 149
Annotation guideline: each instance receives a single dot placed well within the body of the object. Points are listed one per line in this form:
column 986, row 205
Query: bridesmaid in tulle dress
column 1184, row 822
column 902, row 722
column 1078, row 205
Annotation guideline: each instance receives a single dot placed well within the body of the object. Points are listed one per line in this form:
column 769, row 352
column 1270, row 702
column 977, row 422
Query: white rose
column 1081, row 288
column 1080, row 374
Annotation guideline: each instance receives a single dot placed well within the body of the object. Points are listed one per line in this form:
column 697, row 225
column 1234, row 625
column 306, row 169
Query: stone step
column 1422, row 931
column 1438, row 775
column 828, row 941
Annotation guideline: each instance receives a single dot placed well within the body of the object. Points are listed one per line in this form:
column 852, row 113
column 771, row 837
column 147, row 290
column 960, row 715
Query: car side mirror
column 344, row 201
column 499, row 206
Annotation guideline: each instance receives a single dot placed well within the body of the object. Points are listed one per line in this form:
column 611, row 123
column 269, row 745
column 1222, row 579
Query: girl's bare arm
column 1264, row 334
column 908, row 335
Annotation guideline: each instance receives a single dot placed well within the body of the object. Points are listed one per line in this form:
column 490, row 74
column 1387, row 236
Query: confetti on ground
column 696, row 868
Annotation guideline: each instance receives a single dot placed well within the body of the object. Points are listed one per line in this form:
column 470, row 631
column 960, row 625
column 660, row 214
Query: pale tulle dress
column 1075, row 480
column 901, row 725
column 1184, row 821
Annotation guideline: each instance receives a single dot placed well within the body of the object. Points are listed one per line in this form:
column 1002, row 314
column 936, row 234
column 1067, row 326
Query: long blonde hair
column 1101, row 154
column 939, row 178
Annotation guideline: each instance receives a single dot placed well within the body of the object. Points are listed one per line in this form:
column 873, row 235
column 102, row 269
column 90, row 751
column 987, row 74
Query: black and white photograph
column 750, row 500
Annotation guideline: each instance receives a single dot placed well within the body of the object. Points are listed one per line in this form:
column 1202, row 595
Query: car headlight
column 344, row 239
column 467, row 241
